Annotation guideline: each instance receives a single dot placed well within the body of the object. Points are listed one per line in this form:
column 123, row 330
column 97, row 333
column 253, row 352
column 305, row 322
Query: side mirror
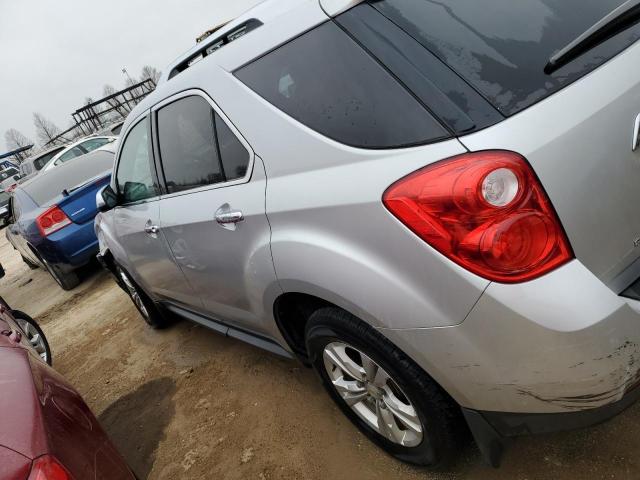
column 106, row 199
column 134, row 191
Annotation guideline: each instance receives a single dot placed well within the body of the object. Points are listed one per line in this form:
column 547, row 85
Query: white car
column 78, row 148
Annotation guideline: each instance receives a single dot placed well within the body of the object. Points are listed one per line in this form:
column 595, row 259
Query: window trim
column 158, row 157
column 152, row 163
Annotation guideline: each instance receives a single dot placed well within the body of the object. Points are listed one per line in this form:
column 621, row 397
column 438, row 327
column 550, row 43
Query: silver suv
column 434, row 206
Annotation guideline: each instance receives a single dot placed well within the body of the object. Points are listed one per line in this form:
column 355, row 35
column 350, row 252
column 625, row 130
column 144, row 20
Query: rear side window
column 197, row 148
column 42, row 161
column 235, row 158
column 187, row 142
column 91, row 145
column 73, row 153
column 326, row 81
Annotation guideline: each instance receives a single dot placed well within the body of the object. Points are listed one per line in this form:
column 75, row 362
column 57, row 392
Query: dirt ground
column 187, row 403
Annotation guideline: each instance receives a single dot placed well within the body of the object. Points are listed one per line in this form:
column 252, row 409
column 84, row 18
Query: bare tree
column 15, row 140
column 46, row 130
column 151, row 73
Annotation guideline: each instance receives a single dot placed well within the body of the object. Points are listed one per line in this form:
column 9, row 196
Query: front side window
column 134, row 178
column 187, row 142
column 326, row 81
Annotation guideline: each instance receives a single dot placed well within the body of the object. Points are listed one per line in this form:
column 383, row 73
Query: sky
column 55, row 53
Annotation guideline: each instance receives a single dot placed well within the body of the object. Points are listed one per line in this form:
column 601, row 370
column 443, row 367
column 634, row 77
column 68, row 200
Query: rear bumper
column 492, row 430
column 562, row 343
column 71, row 247
column 557, row 353
column 517, row 424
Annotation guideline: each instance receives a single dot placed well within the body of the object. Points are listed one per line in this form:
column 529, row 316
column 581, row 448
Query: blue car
column 51, row 222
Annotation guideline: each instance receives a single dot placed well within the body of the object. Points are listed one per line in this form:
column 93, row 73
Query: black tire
column 66, row 280
column 30, row 264
column 21, row 316
column 150, row 311
column 443, row 427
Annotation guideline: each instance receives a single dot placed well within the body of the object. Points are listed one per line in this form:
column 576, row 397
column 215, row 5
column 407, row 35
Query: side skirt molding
column 233, row 332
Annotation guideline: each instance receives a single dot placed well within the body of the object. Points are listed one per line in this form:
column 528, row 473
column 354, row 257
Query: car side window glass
column 326, row 81
column 15, row 210
column 188, row 152
column 94, row 143
column 73, row 153
column 235, row 157
column 134, row 178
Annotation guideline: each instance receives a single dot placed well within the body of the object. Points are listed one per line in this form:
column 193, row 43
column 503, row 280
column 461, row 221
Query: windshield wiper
column 615, row 22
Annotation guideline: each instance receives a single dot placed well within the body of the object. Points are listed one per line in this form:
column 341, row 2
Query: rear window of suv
column 502, row 46
column 326, row 81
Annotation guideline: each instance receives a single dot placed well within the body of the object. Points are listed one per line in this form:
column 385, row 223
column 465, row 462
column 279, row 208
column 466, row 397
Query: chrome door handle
column 228, row 218
column 636, row 134
column 234, row 216
column 151, row 229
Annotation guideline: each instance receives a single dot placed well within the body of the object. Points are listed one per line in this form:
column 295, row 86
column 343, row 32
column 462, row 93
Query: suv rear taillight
column 48, row 468
column 486, row 211
column 52, row 220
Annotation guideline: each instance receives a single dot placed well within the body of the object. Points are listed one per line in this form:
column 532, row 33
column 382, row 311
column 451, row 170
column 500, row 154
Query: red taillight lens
column 48, row 468
column 485, row 211
column 52, row 220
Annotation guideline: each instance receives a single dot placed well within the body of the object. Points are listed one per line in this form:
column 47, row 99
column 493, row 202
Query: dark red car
column 47, row 432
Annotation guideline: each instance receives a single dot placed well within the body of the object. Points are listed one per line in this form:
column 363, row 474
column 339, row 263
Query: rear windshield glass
column 502, row 46
column 50, row 184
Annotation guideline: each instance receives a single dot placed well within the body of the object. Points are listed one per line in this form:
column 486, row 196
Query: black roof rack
column 215, row 44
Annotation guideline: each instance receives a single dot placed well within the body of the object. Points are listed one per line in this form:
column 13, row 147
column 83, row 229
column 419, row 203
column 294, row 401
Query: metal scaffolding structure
column 97, row 115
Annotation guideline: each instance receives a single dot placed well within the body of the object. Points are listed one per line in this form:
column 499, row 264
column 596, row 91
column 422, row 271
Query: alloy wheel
column 35, row 339
column 134, row 294
column 372, row 394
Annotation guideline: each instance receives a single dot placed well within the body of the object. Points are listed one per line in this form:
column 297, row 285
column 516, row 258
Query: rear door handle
column 636, row 134
column 151, row 229
column 228, row 218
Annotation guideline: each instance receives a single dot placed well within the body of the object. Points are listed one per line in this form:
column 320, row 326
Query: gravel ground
column 186, row 403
